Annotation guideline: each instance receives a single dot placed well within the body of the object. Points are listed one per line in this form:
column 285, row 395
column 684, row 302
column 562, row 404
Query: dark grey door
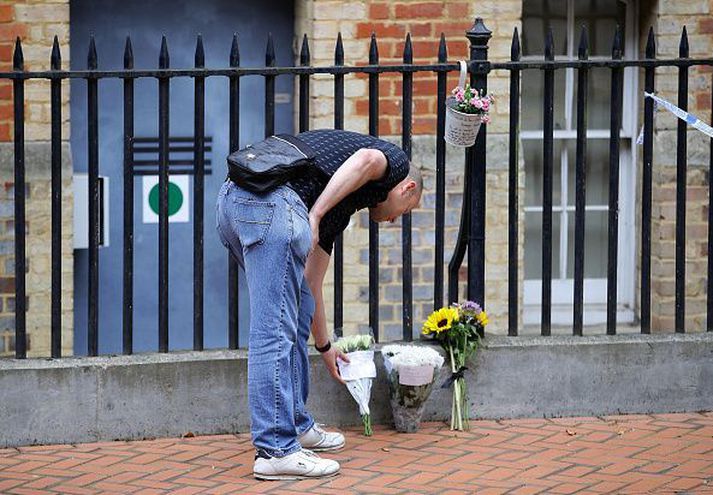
column 180, row 21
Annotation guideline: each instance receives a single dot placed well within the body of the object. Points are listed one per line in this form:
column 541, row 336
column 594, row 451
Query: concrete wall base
column 160, row 395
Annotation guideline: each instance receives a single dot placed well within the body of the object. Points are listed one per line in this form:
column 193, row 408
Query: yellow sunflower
column 483, row 318
column 440, row 320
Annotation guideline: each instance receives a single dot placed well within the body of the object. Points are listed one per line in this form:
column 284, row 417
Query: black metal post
column 234, row 139
column 462, row 241
column 513, row 173
column 270, row 89
column 163, row 134
column 93, row 176
column 304, row 86
column 56, row 102
column 617, row 83
column 681, row 175
column 128, row 263
column 407, row 279
column 198, row 195
column 548, row 161
column 440, row 177
column 339, row 241
column 646, row 188
column 478, row 35
column 373, row 226
column 18, row 95
column 580, row 179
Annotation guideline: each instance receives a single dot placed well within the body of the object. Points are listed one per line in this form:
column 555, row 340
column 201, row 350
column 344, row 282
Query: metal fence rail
column 616, row 65
column 471, row 237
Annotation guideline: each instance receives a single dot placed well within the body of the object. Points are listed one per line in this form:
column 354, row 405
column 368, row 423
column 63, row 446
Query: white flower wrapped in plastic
column 359, row 372
column 411, row 372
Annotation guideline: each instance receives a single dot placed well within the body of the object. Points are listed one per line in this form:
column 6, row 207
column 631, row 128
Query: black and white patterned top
column 332, row 148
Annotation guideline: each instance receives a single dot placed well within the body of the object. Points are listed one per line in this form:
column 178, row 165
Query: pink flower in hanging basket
column 469, row 100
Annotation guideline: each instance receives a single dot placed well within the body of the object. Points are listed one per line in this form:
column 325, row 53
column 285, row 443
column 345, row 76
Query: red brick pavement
column 660, row 453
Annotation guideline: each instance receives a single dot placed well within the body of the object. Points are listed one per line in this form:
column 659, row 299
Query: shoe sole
column 326, row 449
column 291, row 477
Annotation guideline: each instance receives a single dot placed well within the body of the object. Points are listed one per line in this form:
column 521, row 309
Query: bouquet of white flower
column 359, row 372
column 410, row 370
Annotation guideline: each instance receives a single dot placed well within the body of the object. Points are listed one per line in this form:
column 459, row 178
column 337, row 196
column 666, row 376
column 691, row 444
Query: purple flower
column 471, row 306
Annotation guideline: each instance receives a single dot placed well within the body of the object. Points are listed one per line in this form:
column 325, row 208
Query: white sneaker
column 320, row 440
column 303, row 464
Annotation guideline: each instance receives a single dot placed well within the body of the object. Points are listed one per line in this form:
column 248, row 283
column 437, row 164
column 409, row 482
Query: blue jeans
column 269, row 235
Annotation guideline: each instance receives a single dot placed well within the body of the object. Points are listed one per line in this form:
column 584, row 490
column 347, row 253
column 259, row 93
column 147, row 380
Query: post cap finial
column 478, row 33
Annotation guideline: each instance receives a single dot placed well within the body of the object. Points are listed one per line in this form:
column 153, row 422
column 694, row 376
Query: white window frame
column 595, row 290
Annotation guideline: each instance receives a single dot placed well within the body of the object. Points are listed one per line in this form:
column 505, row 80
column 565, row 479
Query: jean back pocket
column 253, row 220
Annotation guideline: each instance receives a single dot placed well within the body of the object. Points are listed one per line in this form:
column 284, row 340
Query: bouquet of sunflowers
column 458, row 328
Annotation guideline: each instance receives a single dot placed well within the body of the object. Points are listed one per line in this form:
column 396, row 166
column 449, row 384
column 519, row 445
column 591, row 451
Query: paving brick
column 566, row 488
column 526, row 459
column 608, row 487
column 529, row 490
column 622, row 466
column 7, row 484
column 694, row 469
column 73, row 490
column 680, row 484
column 648, row 484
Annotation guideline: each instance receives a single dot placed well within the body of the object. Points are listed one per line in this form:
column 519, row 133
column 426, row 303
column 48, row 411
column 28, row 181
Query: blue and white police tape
column 689, row 118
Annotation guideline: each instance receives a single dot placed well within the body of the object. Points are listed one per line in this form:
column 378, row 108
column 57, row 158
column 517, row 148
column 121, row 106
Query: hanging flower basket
column 461, row 128
column 466, row 110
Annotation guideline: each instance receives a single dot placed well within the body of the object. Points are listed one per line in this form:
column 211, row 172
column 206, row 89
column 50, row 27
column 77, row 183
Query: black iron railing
column 471, row 238
column 616, row 65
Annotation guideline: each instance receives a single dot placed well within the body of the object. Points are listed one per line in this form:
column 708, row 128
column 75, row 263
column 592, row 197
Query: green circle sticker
column 175, row 199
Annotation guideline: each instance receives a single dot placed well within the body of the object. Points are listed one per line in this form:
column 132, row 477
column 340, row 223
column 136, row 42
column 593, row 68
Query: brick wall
column 391, row 20
column 668, row 19
column 36, row 22
column 425, row 20
column 9, row 30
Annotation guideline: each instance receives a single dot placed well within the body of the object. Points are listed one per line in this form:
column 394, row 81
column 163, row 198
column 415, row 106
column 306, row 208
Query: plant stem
column 366, row 420
column 453, row 412
column 464, row 405
column 456, row 393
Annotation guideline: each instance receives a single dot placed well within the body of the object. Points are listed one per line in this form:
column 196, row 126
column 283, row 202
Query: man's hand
column 314, row 220
column 330, row 360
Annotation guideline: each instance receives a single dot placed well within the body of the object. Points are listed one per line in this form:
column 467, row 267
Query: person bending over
column 283, row 239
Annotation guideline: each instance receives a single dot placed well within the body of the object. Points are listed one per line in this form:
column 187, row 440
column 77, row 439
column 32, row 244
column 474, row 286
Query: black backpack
column 272, row 162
